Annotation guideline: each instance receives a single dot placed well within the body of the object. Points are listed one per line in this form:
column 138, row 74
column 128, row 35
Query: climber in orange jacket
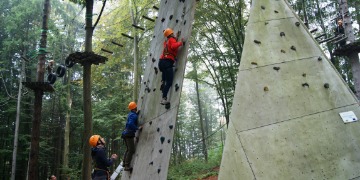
column 166, row 62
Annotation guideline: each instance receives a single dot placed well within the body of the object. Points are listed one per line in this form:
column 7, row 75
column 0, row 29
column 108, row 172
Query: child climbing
column 99, row 156
column 167, row 59
column 129, row 133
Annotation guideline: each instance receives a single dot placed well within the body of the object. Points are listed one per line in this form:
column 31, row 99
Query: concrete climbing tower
column 151, row 159
column 285, row 121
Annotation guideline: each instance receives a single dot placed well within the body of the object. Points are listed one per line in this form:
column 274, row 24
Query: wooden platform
column 87, row 57
column 43, row 86
column 348, row 48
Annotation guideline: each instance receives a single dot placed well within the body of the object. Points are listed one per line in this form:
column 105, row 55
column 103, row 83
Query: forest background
column 215, row 52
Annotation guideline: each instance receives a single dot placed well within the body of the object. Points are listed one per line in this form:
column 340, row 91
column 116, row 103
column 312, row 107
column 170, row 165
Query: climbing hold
column 266, row 88
column 156, row 70
column 276, row 68
column 257, row 42
column 158, row 129
column 184, row 22
column 304, row 74
column 276, row 11
column 177, row 21
column 163, row 19
column 150, row 122
column 142, row 97
column 266, row 23
column 158, row 171
column 176, row 87
column 262, row 7
column 162, row 139
column 153, row 59
column 153, row 36
column 326, row 85
column 254, row 63
column 154, row 89
column 319, row 59
column 282, row 34
column 305, row 84
column 297, row 24
column 293, row 48
column 144, row 82
column 171, row 126
column 283, row 51
column 150, row 54
column 171, row 16
column 160, row 151
column 169, row 140
column 151, row 163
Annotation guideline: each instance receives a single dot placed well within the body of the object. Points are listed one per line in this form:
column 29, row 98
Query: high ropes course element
column 292, row 114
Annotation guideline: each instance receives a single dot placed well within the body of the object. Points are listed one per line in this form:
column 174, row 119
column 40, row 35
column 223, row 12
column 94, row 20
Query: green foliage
column 196, row 168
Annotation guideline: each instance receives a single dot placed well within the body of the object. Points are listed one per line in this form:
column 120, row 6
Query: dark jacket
column 101, row 161
column 170, row 49
column 131, row 125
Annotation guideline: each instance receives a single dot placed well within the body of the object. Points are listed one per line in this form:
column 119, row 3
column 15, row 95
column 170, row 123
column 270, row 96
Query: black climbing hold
column 142, row 97
column 167, row 106
column 165, row 2
column 160, row 151
column 276, row 11
column 319, row 59
column 171, row 126
column 297, row 24
column 150, row 122
column 305, row 84
column 163, row 19
column 293, row 48
column 257, row 42
column 254, row 63
column 171, row 16
column 158, row 129
column 304, row 74
column 282, row 34
column 144, row 82
column 169, row 140
column 184, row 22
column 147, row 89
column 162, row 139
column 266, row 88
column 262, row 7
column 156, row 70
column 283, row 51
column 150, row 54
column 326, row 85
column 276, row 68
column 153, row 59
column 154, row 89
column 176, row 87
column 158, row 171
column 151, row 163
column 177, row 21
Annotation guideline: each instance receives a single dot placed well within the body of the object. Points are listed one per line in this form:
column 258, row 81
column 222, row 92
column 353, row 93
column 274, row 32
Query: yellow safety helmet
column 168, row 32
column 94, row 140
column 132, row 105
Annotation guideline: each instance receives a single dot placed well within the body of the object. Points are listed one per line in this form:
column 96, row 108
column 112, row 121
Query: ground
column 213, row 177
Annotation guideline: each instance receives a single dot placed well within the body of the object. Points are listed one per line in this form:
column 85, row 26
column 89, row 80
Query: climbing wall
column 285, row 121
column 153, row 149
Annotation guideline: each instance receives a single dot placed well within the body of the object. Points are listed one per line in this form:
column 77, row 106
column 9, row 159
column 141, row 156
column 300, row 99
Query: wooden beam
column 153, row 20
column 155, row 7
column 107, row 51
column 117, row 44
column 130, row 37
column 138, row 27
column 313, row 30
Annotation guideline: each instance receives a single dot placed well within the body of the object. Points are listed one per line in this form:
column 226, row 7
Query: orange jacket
column 170, row 49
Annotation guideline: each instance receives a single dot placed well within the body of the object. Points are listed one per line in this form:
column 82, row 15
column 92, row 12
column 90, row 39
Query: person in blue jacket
column 99, row 157
column 129, row 133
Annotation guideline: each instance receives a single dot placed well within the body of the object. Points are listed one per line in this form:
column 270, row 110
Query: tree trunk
column 67, row 125
column 306, row 22
column 33, row 172
column 353, row 57
column 86, row 169
column 200, row 116
column 17, row 122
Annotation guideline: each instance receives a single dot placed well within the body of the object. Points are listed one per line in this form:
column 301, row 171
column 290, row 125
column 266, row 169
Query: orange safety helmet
column 132, row 105
column 168, row 32
column 94, row 140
